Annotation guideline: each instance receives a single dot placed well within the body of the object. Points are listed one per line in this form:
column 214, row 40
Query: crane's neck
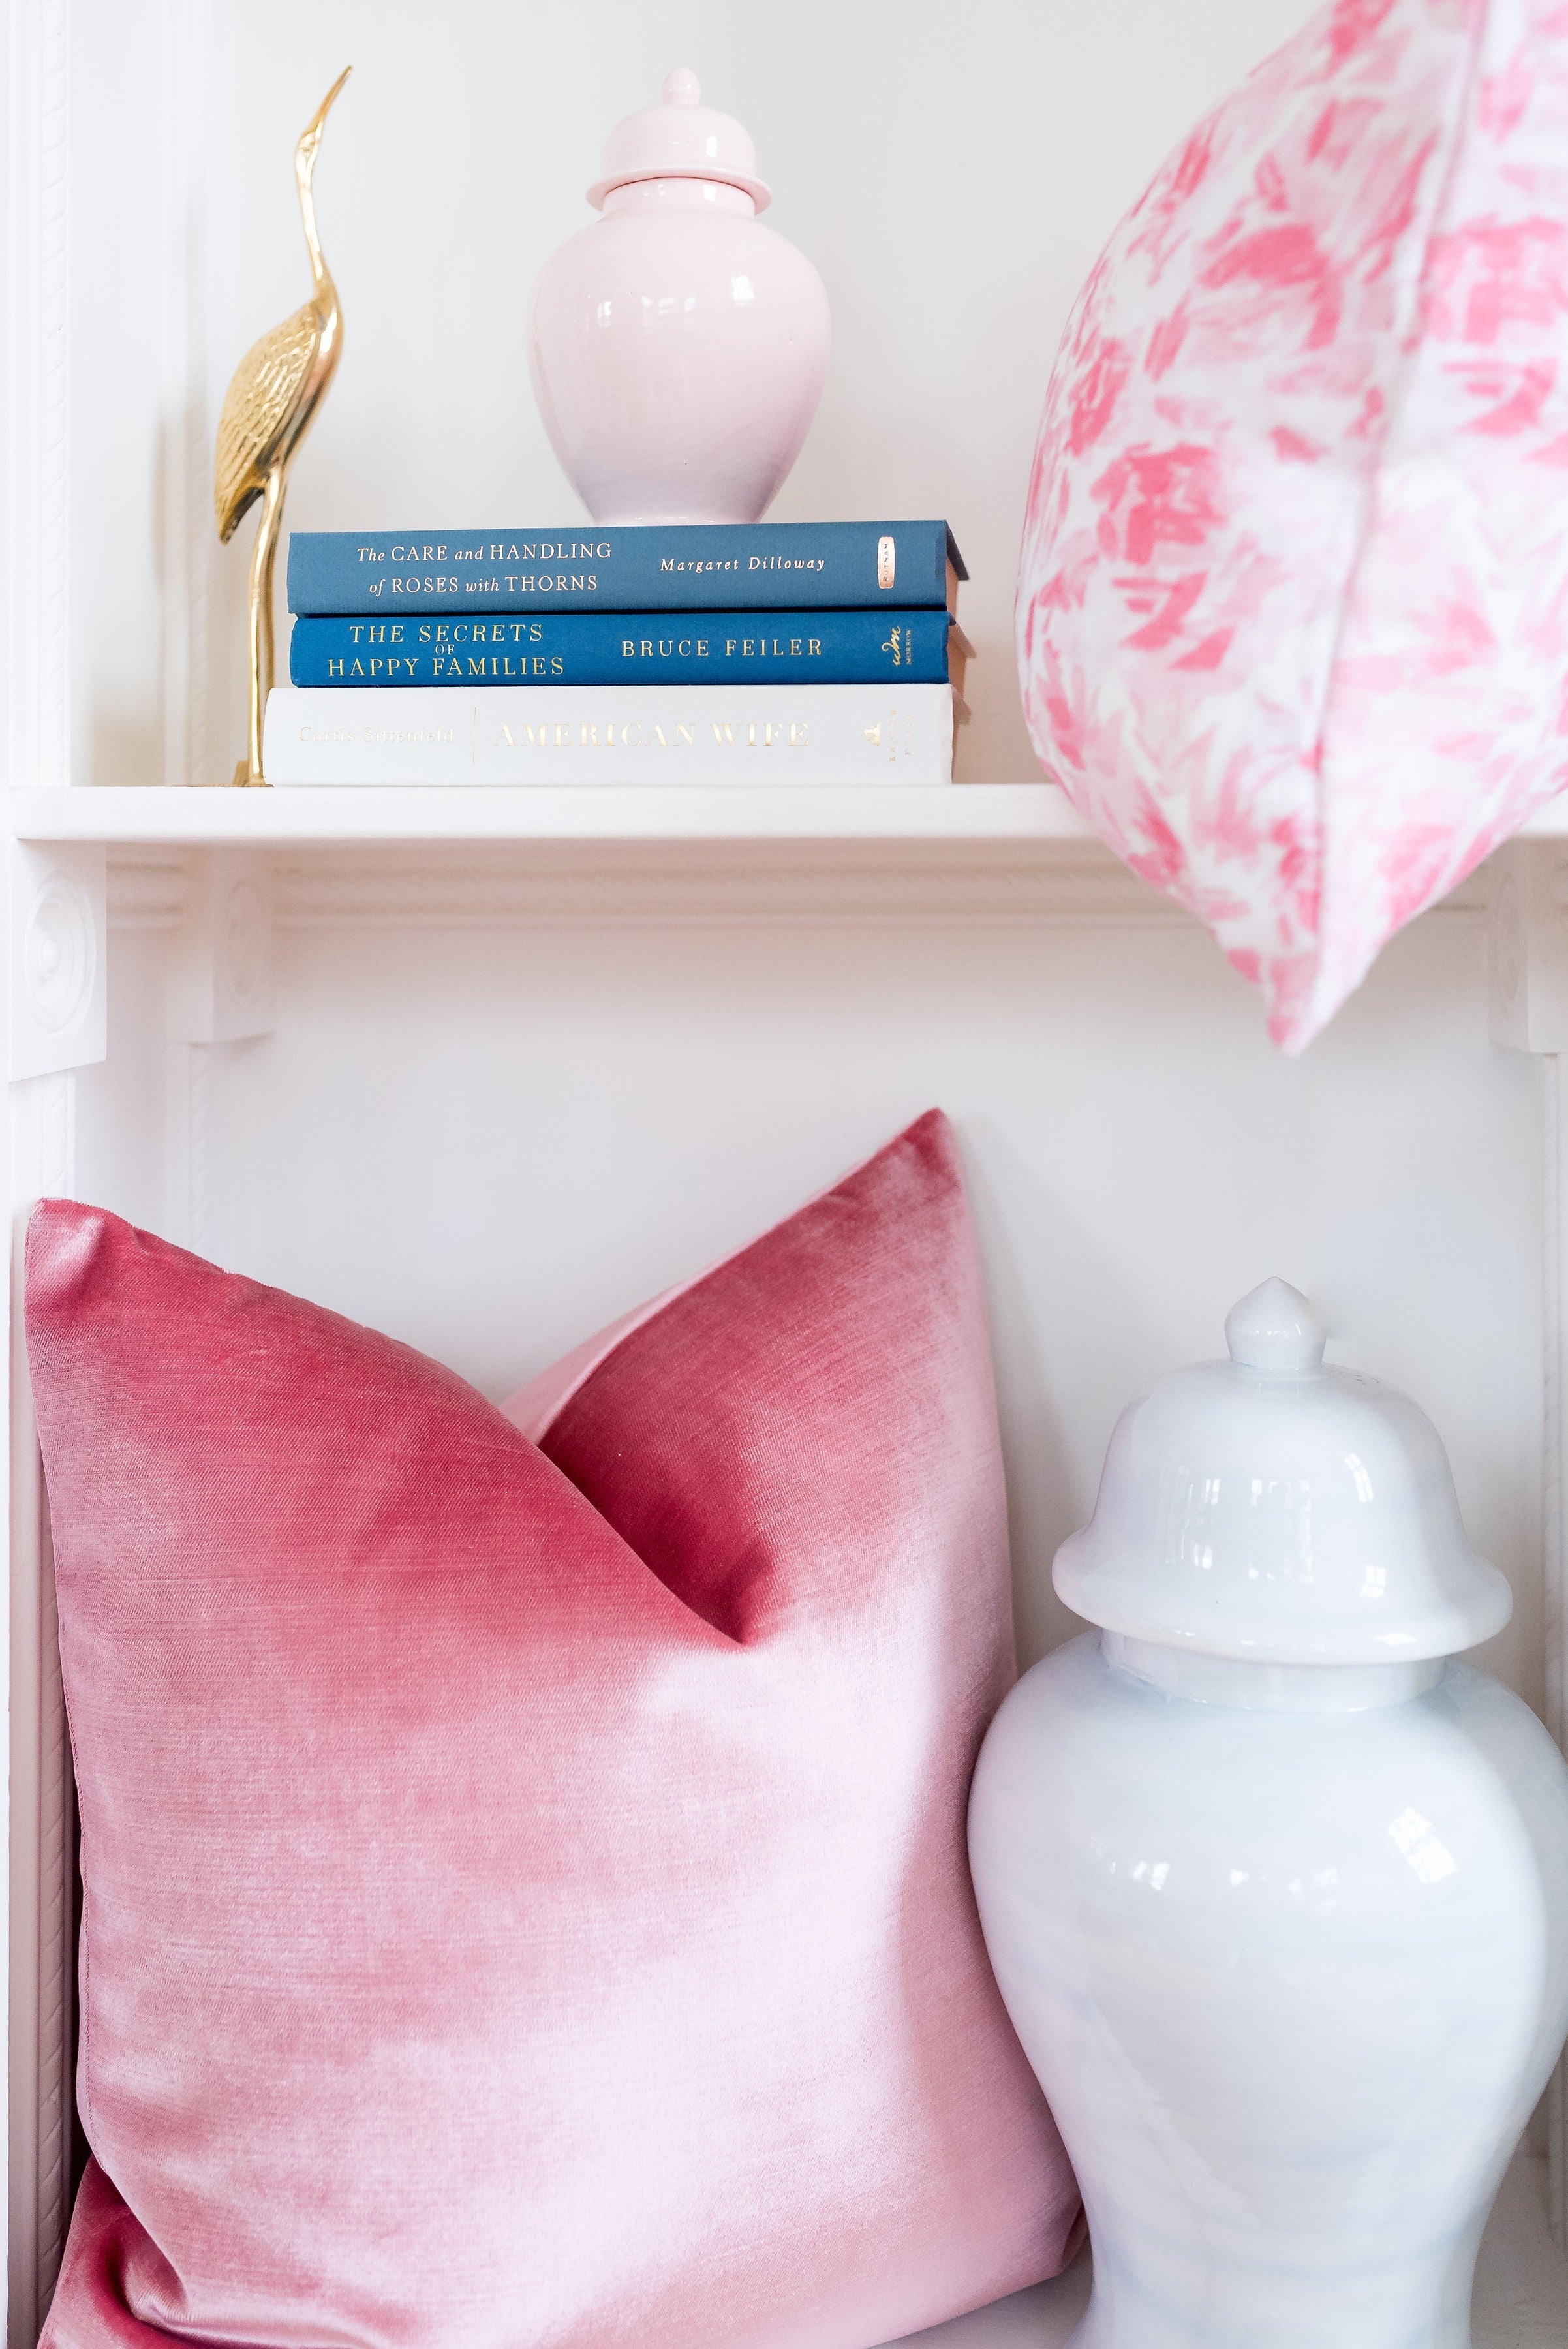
column 305, row 156
column 303, row 168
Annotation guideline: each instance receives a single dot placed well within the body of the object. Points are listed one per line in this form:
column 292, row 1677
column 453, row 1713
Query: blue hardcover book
column 624, row 648
column 678, row 566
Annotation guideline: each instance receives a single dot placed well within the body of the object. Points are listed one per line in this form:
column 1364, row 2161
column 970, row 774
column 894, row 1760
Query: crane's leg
column 249, row 769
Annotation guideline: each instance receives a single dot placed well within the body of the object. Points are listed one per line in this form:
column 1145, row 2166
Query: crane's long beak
column 310, row 138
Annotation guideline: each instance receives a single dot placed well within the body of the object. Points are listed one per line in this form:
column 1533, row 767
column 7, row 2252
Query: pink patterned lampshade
column 1292, row 611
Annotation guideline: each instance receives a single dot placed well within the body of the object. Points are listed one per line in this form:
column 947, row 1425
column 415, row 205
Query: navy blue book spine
column 674, row 567
column 608, row 648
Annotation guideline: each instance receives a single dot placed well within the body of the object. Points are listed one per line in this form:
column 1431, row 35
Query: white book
column 661, row 734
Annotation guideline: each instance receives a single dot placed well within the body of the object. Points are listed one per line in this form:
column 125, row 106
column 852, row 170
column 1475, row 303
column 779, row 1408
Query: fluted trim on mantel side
column 39, row 1137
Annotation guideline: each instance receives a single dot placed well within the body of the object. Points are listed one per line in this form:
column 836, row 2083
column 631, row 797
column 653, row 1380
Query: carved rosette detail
column 59, row 954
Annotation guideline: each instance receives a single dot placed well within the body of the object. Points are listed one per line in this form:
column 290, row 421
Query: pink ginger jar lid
column 680, row 140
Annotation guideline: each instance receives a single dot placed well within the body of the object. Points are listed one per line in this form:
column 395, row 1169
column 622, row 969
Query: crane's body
column 276, row 390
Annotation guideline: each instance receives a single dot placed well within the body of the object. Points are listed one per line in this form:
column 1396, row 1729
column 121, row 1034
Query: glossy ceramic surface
column 677, row 346
column 1291, row 1980
column 681, row 139
column 1273, row 1507
column 1285, row 1939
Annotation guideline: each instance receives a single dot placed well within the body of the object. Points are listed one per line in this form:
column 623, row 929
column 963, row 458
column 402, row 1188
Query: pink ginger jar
column 678, row 346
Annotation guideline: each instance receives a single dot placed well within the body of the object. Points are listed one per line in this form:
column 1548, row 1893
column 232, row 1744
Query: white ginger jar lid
column 1272, row 1508
column 680, row 140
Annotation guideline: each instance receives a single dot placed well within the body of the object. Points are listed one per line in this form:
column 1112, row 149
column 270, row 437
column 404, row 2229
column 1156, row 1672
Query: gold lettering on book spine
column 885, row 563
column 276, row 392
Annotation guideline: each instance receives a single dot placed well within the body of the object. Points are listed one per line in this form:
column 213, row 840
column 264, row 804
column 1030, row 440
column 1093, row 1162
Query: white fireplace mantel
column 486, row 1067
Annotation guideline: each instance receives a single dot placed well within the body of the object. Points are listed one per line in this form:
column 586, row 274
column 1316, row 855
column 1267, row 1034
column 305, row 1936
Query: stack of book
column 691, row 653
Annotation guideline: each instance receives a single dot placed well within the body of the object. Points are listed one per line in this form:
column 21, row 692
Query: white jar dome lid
column 680, row 140
column 1270, row 1508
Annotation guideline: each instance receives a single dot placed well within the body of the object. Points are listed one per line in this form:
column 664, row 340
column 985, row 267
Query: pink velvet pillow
column 524, row 1892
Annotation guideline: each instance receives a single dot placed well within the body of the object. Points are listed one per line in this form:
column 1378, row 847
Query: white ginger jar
column 678, row 346
column 1276, row 1895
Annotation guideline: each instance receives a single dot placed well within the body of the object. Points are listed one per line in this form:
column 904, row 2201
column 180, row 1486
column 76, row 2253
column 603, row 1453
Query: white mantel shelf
column 1035, row 817
column 1020, row 812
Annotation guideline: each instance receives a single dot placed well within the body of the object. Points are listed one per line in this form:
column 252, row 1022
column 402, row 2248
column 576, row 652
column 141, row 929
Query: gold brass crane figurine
column 276, row 389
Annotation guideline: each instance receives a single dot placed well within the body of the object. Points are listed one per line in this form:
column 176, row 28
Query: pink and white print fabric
column 1293, row 613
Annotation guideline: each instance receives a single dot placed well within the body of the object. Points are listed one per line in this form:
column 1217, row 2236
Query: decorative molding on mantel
column 42, row 1941
column 58, row 980
column 373, row 889
column 54, row 958
column 377, row 888
column 222, row 972
column 436, row 893
column 146, row 888
column 668, row 885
